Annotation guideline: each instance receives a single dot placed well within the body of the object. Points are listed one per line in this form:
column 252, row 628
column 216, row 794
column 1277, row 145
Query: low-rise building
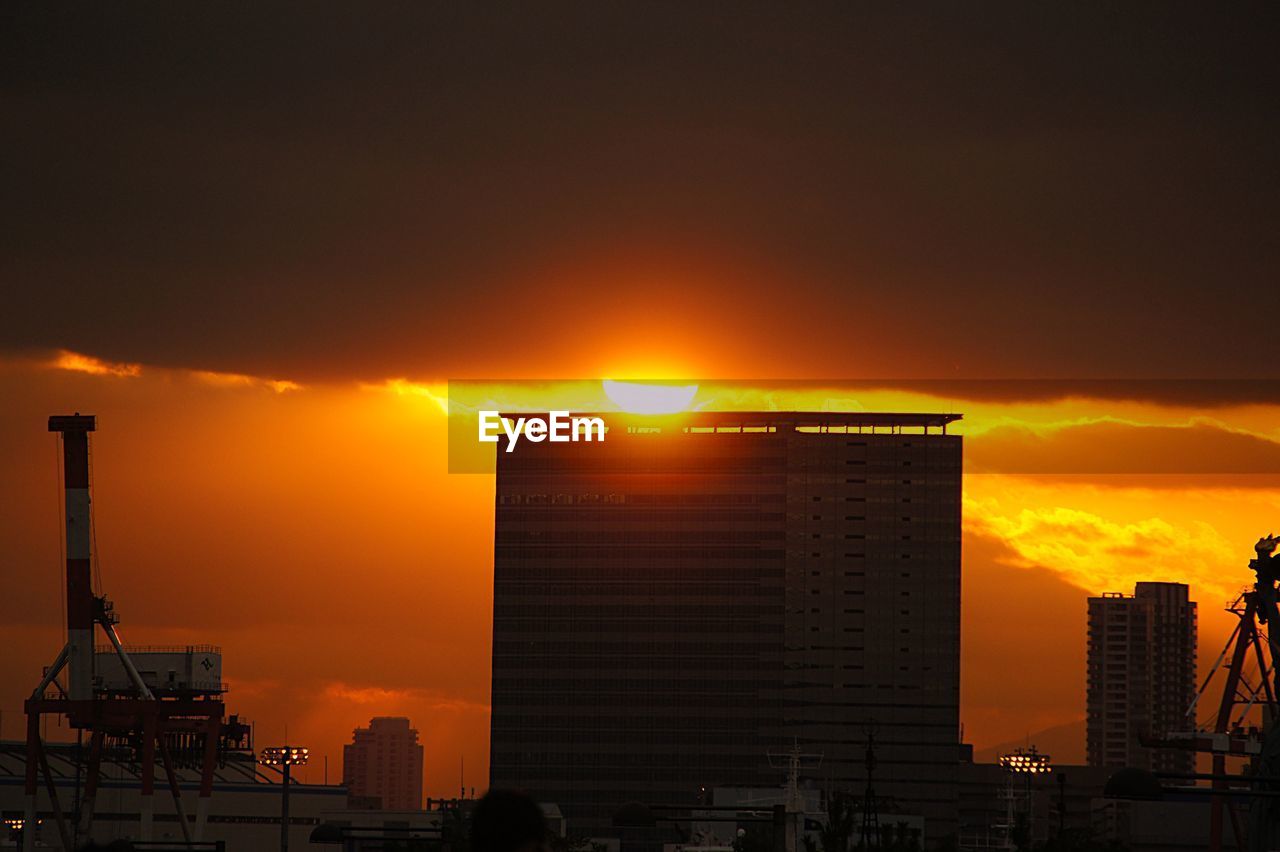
column 244, row 811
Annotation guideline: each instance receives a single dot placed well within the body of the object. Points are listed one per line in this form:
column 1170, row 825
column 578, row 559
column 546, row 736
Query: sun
column 647, row 398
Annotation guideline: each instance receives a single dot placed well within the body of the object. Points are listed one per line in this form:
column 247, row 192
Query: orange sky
column 313, row 532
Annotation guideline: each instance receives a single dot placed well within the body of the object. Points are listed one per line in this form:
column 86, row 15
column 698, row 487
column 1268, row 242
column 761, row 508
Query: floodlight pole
column 1022, row 764
column 284, row 810
column 284, row 757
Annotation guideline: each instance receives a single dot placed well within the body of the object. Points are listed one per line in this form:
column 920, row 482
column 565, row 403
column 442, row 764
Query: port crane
column 164, row 703
column 1242, row 724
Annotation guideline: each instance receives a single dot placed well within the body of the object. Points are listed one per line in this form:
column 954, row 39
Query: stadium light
column 284, row 757
column 1029, row 762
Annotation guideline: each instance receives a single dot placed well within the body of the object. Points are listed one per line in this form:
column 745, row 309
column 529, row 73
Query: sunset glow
column 1064, row 538
column 613, row 395
column 77, row 362
column 638, row 398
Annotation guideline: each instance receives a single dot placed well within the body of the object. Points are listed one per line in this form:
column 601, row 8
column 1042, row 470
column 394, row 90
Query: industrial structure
column 1021, row 766
column 159, row 704
column 1236, row 726
column 1001, row 803
column 1240, row 726
column 677, row 601
column 244, row 808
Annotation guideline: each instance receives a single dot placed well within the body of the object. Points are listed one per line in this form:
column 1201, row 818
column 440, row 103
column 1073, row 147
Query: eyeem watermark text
column 557, row 427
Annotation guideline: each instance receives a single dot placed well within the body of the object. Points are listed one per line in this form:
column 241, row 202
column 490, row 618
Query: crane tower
column 157, row 701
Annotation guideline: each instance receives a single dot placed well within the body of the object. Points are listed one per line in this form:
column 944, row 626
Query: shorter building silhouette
column 383, row 763
column 1141, row 677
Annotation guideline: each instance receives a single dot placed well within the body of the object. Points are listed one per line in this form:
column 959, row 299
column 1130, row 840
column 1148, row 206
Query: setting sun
column 643, row 398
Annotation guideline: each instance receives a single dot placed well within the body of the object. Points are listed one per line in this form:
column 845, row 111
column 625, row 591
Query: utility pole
column 284, row 811
column 1062, row 803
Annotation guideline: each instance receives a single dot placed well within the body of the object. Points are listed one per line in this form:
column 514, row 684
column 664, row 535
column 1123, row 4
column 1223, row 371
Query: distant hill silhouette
column 1063, row 743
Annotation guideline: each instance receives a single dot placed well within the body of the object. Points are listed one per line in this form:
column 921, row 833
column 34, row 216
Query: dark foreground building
column 675, row 603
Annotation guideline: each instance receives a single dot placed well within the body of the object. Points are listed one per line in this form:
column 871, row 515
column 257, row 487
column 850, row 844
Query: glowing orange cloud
column 68, row 360
column 241, row 380
column 404, row 387
column 79, row 362
column 1103, row 552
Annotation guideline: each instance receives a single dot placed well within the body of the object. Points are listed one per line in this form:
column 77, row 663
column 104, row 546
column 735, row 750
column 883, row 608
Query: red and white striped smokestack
column 75, row 431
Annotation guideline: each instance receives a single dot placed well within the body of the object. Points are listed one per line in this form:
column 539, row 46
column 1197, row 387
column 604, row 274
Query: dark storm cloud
column 366, row 190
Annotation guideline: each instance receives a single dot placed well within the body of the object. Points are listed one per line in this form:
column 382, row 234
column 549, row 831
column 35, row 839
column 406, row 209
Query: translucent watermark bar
column 1066, row 427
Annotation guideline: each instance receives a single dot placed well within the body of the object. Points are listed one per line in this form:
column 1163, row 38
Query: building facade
column 678, row 605
column 384, row 762
column 1141, row 676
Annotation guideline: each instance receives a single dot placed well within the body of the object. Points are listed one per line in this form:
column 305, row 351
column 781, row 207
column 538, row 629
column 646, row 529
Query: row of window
column 634, row 500
column 725, row 551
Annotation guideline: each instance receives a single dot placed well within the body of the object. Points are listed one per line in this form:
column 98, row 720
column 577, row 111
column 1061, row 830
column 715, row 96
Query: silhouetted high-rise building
column 1142, row 675
column 679, row 600
column 384, row 761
